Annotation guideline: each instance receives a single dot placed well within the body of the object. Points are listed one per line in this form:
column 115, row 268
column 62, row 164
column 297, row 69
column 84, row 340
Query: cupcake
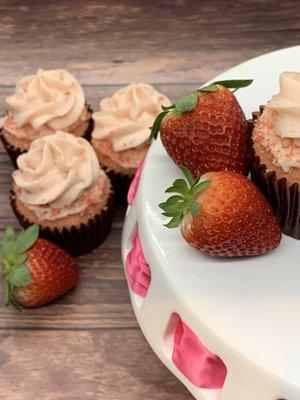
column 121, row 131
column 41, row 105
column 276, row 142
column 60, row 186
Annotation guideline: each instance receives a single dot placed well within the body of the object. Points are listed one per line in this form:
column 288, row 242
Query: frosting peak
column 125, row 118
column 53, row 98
column 56, row 170
column 287, row 106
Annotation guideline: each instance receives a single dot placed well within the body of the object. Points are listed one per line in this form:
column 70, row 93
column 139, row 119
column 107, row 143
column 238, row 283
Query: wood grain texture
column 86, row 365
column 156, row 41
column 87, row 345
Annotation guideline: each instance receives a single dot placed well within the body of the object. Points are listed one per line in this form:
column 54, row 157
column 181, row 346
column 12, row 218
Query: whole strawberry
column 222, row 214
column 35, row 271
column 206, row 130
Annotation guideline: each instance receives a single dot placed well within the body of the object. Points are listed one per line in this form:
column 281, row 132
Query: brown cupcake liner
column 15, row 152
column 76, row 241
column 12, row 151
column 284, row 199
column 120, row 184
column 88, row 133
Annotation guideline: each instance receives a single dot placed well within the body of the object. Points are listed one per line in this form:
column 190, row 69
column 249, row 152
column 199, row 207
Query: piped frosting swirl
column 286, row 104
column 56, row 170
column 52, row 98
column 125, row 118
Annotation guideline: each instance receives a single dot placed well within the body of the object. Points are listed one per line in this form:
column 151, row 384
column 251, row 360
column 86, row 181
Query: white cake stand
column 246, row 311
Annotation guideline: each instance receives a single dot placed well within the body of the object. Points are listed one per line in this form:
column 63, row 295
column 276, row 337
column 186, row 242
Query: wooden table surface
column 87, row 345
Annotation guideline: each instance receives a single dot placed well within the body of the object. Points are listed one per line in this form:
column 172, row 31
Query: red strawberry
column 223, row 214
column 35, row 271
column 206, row 130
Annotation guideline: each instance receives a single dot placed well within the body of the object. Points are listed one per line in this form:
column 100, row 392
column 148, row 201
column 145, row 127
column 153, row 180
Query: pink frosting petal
column 135, row 183
column 137, row 268
column 195, row 361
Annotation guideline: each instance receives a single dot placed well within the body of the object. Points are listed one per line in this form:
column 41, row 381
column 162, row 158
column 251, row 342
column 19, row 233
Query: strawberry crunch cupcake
column 121, row 132
column 60, row 186
column 41, row 105
column 276, row 141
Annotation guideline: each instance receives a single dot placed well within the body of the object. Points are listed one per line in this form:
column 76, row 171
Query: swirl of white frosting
column 56, row 170
column 287, row 106
column 53, row 98
column 125, row 118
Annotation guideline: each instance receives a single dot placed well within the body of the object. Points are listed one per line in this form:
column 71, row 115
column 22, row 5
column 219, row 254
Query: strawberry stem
column 168, row 108
column 184, row 201
column 157, row 123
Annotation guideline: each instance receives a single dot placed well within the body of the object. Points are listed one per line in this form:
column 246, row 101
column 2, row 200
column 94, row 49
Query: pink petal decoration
column 135, row 183
column 195, row 361
column 137, row 268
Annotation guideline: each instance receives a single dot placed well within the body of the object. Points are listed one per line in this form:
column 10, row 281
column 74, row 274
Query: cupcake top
column 125, row 118
column 287, row 106
column 55, row 173
column 50, row 99
column 278, row 128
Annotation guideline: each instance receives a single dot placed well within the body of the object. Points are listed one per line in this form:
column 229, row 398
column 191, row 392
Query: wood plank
column 82, row 309
column 158, row 41
column 86, row 365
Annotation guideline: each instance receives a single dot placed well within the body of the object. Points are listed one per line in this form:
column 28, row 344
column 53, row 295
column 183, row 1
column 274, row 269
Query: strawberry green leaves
column 179, row 186
column 189, row 101
column 188, row 175
column 26, row 239
column 13, row 258
column 20, row 276
column 8, row 239
column 186, row 103
column 9, row 235
column 230, row 84
column 174, row 222
column 185, row 200
column 157, row 123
